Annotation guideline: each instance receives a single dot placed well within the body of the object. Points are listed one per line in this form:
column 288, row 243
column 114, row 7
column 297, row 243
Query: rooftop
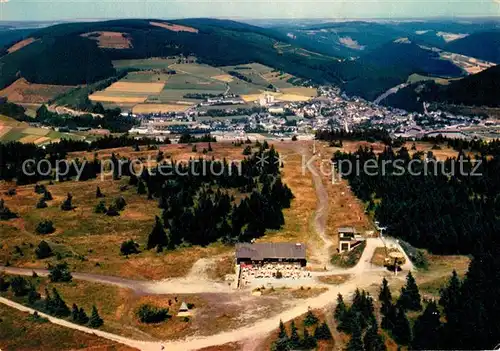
column 260, row 251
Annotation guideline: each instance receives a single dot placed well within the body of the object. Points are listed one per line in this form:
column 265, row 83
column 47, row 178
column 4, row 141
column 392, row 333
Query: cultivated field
column 193, row 78
column 159, row 108
column 174, row 27
column 22, row 91
column 12, row 130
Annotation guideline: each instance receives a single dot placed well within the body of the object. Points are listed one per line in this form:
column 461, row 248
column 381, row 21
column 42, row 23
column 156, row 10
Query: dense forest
column 481, row 89
column 13, row 154
column 197, row 209
column 451, row 212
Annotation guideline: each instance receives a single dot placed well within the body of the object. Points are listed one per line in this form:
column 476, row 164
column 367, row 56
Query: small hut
column 183, row 310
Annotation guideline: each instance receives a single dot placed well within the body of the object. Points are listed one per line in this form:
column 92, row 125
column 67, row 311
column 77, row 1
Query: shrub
column 47, row 196
column 112, row 211
column 152, row 314
column 43, row 250
column 294, row 138
column 60, row 273
column 19, row 286
column 41, row 203
column 98, row 193
column 5, row 212
column 4, row 284
column 100, row 207
column 67, row 204
column 45, row 227
column 40, row 188
column 129, row 247
column 120, row 203
column 11, row 192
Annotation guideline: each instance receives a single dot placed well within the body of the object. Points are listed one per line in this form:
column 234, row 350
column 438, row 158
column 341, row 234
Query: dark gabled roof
column 260, row 251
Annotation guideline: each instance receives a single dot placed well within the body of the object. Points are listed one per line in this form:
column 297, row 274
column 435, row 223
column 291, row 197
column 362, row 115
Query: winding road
column 361, row 276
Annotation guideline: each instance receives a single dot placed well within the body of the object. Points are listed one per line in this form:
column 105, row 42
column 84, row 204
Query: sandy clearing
column 224, row 78
column 159, row 108
column 21, row 44
column 174, row 27
column 110, row 40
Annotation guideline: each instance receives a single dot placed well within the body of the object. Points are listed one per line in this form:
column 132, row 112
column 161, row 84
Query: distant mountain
column 75, row 53
column 482, row 45
column 481, row 89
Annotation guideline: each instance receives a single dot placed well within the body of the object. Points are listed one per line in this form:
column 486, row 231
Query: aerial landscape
column 226, row 176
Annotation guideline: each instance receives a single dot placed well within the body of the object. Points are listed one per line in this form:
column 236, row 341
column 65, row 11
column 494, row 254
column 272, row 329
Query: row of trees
column 312, row 332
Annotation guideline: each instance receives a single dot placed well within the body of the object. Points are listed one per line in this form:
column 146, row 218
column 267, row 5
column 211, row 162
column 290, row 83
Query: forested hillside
column 447, row 211
column 482, row 45
column 481, row 89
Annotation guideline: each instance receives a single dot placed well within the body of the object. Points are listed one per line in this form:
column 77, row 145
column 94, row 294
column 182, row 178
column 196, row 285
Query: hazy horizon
column 60, row 10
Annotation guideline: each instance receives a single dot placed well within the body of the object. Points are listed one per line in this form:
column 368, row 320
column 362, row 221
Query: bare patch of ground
column 21, row 44
column 110, row 40
column 334, row 279
column 174, row 27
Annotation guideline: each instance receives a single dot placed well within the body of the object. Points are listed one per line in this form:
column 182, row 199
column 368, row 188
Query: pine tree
column 310, row 319
column 43, row 250
column 33, row 295
column 294, row 337
column 141, row 188
column 373, row 341
column 450, row 296
column 401, row 330
column 389, row 317
column 98, row 193
column 356, row 343
column 410, row 296
column 210, row 147
column 47, row 196
column 157, row 237
column 322, row 332
column 82, row 317
column 427, row 329
column 59, row 307
column 308, row 341
column 340, row 309
column 74, row 313
column 282, row 332
column 95, row 320
column 385, row 296
column 67, row 204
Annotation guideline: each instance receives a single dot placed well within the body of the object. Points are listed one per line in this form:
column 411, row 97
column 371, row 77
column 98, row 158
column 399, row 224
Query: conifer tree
column 141, row 188
column 310, row 319
column 385, row 296
column 67, row 204
column 59, row 307
column 47, row 196
column 74, row 313
column 373, row 341
column 427, row 329
column 95, row 321
column 410, row 296
column 322, row 332
column 389, row 317
column 82, row 316
column 340, row 309
column 282, row 331
column 401, row 330
column 98, row 193
column 157, row 237
column 308, row 341
column 356, row 343
column 294, row 336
